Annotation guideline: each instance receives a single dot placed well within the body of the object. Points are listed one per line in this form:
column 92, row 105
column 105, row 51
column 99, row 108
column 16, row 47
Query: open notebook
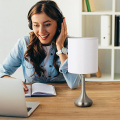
column 40, row 89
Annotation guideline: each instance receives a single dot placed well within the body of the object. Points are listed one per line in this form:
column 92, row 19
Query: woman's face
column 44, row 27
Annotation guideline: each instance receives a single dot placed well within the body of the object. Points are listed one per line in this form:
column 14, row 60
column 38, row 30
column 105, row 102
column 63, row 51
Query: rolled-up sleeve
column 73, row 80
column 13, row 60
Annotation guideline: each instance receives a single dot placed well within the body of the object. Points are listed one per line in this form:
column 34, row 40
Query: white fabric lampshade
column 82, row 55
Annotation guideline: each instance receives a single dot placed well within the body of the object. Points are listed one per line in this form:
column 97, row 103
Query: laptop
column 12, row 99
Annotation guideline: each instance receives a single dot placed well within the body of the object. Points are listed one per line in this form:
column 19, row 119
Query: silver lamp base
column 83, row 100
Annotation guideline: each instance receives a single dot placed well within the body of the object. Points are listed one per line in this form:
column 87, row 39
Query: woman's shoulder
column 24, row 40
column 27, row 39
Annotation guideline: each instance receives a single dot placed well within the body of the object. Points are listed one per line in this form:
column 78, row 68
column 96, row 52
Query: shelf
column 104, row 60
column 105, row 77
column 117, row 5
column 109, row 47
column 117, row 48
column 117, row 64
column 103, row 5
column 117, row 77
column 97, row 13
column 104, row 47
column 108, row 56
column 117, row 13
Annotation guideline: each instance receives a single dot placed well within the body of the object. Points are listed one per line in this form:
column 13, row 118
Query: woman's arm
column 73, row 80
column 60, row 41
column 7, row 77
column 13, row 60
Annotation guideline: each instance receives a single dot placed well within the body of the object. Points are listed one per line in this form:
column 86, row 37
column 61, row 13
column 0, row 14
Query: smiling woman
column 37, row 52
column 44, row 27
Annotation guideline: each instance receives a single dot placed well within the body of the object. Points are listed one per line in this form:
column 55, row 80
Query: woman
column 37, row 52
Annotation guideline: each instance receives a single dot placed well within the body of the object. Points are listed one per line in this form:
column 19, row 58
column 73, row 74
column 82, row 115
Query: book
column 105, row 30
column 40, row 89
column 92, row 5
column 84, row 6
column 88, row 6
column 116, row 31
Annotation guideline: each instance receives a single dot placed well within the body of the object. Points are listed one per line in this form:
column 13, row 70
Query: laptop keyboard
column 29, row 108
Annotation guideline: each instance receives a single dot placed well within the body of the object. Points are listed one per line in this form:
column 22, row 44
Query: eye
column 36, row 25
column 46, row 25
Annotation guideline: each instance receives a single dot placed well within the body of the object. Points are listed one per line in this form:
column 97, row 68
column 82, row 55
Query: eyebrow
column 44, row 21
column 47, row 21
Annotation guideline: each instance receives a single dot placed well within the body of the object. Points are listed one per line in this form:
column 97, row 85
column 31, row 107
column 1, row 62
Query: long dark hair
column 35, row 50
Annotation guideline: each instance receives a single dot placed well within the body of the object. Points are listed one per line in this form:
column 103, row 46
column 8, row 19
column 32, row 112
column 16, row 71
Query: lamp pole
column 83, row 100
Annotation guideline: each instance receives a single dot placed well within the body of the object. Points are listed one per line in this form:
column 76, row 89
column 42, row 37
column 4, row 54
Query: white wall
column 14, row 24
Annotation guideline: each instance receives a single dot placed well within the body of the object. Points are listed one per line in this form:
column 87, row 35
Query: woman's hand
column 63, row 34
column 25, row 87
column 60, row 41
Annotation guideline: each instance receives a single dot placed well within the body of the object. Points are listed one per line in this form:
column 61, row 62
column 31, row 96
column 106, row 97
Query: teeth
column 44, row 36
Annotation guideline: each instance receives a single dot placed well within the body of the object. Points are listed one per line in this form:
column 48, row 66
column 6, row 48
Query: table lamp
column 83, row 59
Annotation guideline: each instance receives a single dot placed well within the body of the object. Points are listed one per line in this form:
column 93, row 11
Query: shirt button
column 51, row 53
column 50, row 65
column 60, row 70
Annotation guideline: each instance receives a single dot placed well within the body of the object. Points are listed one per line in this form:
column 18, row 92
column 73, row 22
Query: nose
column 41, row 30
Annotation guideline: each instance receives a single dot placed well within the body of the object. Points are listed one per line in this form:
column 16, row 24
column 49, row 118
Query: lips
column 44, row 37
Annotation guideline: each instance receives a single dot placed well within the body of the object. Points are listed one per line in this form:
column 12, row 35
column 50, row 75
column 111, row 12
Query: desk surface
column 105, row 96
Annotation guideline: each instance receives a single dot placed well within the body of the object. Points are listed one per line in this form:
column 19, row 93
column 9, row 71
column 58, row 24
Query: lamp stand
column 83, row 100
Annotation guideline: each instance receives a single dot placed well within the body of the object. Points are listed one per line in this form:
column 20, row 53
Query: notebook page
column 44, row 89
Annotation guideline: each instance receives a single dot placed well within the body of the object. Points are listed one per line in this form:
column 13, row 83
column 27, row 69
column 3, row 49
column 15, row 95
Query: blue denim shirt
column 16, row 58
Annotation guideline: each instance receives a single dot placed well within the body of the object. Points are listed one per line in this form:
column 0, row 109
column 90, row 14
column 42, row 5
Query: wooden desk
column 105, row 96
